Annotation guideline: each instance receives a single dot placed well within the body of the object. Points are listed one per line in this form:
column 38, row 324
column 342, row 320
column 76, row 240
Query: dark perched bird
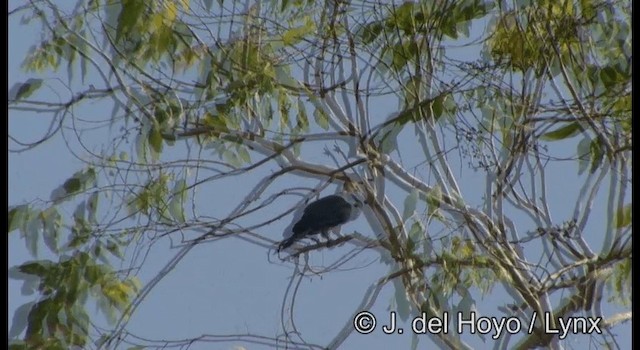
column 321, row 216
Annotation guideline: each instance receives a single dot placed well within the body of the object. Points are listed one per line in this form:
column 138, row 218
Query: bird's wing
column 325, row 201
column 319, row 216
column 323, row 217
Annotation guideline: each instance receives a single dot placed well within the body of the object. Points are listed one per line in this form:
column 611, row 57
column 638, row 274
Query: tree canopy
column 491, row 141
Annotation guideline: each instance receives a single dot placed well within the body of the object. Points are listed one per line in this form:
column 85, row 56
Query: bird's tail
column 286, row 243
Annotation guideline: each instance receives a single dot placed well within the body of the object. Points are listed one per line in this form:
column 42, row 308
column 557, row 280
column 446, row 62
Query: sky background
column 231, row 286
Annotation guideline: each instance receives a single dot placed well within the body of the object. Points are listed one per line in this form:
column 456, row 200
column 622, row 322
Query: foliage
column 254, row 86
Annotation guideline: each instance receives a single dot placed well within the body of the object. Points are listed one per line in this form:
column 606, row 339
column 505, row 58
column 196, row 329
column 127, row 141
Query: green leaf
column 467, row 304
column 114, row 249
column 92, row 207
column 584, row 154
column 620, row 282
column 40, row 268
column 207, row 4
column 24, row 90
column 596, row 155
column 141, row 147
column 31, row 235
column 388, row 137
column 155, row 140
column 78, row 213
column 402, row 304
column 416, row 236
column 562, row 132
column 77, row 183
column 321, row 118
column 72, row 185
column 51, row 223
column 588, row 9
column 18, row 345
column 37, row 316
column 20, row 318
column 434, row 199
column 216, row 122
column 610, row 77
column 403, row 53
column 17, row 217
column 176, row 205
column 370, row 32
column 403, row 18
column 622, row 217
column 283, row 77
column 303, row 119
column 410, row 204
column 450, row 29
column 437, row 106
column 80, row 323
column 129, row 17
column 295, row 35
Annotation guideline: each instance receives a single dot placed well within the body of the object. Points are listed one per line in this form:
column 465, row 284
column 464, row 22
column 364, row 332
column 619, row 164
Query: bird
column 321, row 216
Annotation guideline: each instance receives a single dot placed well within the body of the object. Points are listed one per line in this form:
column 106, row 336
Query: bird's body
column 320, row 217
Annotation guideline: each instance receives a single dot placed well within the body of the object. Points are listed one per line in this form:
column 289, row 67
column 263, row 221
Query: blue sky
column 231, row 286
